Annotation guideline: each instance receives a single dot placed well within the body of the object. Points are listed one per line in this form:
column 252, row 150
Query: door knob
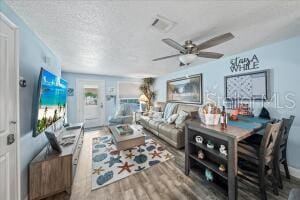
column 11, row 136
column 10, row 139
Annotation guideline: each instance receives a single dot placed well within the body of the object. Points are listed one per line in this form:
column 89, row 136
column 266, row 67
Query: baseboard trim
column 294, row 172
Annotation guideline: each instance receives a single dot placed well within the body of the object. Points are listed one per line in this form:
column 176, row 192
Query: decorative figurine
column 199, row 139
column 244, row 109
column 223, row 150
column 234, row 115
column 200, row 154
column 210, row 144
column 209, row 175
column 222, row 168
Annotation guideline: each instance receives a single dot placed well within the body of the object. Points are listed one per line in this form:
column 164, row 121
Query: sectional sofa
column 171, row 133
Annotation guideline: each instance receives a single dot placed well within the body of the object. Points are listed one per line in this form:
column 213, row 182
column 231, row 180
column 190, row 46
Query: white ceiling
column 116, row 38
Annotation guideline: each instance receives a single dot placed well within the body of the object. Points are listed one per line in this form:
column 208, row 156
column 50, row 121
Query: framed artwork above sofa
column 185, row 90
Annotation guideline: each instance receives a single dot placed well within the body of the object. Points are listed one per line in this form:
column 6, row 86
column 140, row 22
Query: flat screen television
column 50, row 102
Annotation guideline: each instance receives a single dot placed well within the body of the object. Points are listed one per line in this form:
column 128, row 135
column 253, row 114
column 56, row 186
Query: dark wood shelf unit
column 210, row 165
column 230, row 137
column 201, row 178
column 212, row 151
column 212, row 157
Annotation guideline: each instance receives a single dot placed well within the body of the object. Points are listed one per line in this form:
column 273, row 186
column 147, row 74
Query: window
column 129, row 93
column 91, row 96
column 134, row 103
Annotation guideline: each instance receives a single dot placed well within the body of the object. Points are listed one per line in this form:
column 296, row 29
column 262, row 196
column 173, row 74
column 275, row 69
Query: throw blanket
column 169, row 109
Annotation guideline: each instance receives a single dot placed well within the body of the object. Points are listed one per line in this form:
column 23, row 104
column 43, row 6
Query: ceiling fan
column 190, row 51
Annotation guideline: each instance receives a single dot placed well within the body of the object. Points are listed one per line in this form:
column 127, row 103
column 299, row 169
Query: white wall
column 282, row 58
column 32, row 53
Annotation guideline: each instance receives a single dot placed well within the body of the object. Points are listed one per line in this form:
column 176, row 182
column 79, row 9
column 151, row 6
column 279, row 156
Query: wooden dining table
column 234, row 133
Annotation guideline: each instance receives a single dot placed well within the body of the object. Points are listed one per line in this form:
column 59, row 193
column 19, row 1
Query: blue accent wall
column 32, row 56
column 284, row 61
column 110, row 81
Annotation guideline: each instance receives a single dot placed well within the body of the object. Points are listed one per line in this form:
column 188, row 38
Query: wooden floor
column 163, row 181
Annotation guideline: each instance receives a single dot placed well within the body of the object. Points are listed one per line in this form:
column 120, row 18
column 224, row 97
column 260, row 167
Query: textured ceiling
column 116, row 38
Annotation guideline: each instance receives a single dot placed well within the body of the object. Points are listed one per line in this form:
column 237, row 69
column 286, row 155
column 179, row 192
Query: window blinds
column 129, row 90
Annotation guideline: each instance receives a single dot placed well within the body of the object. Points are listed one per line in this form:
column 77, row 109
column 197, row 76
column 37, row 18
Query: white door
column 91, row 100
column 9, row 175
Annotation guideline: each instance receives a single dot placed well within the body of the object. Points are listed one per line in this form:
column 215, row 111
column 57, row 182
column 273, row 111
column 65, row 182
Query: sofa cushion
column 144, row 120
column 155, row 114
column 154, row 123
column 180, row 126
column 169, row 131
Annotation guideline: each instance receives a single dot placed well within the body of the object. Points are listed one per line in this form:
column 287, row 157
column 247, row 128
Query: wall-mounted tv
column 50, row 102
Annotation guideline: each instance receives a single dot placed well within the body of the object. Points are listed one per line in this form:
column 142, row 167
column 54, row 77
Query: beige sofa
column 168, row 132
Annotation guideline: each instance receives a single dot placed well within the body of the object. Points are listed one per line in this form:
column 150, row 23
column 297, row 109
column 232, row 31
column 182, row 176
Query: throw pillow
column 172, row 118
column 157, row 114
column 182, row 115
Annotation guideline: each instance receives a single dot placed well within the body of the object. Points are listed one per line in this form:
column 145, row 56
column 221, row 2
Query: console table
column 51, row 172
column 235, row 132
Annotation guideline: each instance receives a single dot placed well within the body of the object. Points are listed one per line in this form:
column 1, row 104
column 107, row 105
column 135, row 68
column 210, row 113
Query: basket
column 210, row 119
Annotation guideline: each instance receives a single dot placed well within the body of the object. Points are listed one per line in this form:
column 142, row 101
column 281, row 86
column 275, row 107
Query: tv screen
column 51, row 101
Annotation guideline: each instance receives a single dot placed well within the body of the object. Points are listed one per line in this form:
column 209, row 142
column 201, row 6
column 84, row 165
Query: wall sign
column 244, row 64
column 248, row 86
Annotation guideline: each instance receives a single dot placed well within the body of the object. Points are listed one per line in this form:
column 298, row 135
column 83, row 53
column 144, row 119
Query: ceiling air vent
column 163, row 24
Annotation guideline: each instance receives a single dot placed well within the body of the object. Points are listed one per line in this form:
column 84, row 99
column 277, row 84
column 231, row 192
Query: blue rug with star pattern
column 110, row 165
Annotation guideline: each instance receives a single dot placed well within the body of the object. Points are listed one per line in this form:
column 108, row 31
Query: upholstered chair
column 124, row 115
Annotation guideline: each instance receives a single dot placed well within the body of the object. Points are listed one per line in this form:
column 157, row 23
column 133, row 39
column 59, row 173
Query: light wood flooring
column 165, row 181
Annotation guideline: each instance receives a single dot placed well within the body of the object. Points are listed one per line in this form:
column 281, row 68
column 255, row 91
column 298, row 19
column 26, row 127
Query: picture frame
column 70, row 92
column 53, row 141
column 248, row 86
column 185, row 90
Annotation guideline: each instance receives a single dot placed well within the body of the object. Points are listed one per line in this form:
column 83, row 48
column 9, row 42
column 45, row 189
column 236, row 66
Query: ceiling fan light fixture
column 187, row 58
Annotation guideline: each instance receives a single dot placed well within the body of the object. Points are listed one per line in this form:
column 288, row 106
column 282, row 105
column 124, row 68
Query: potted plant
column 210, row 144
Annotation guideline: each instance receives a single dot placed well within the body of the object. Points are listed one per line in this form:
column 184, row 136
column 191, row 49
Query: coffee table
column 124, row 142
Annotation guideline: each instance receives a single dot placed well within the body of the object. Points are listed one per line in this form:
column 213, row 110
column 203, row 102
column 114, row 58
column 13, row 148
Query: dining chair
column 256, row 163
column 281, row 159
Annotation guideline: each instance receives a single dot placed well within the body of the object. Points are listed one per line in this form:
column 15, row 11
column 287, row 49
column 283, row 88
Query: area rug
column 110, row 165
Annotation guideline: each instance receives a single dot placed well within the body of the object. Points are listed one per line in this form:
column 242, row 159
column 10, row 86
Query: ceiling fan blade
column 166, row 57
column 215, row 41
column 210, row 55
column 174, row 44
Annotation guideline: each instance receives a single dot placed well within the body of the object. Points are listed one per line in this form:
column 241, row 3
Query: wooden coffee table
column 128, row 141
